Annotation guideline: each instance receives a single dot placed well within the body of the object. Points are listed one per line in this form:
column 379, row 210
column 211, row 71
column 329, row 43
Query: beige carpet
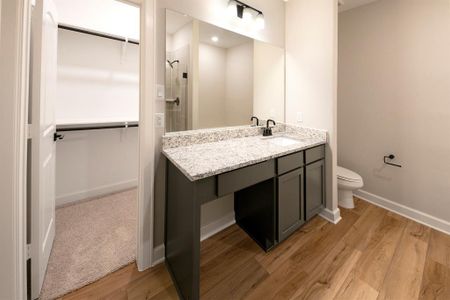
column 93, row 239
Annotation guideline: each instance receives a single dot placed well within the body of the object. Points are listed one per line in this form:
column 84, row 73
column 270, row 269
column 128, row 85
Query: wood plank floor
column 370, row 254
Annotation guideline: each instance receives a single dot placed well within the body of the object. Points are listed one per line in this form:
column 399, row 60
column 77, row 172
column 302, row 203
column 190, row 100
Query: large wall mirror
column 218, row 78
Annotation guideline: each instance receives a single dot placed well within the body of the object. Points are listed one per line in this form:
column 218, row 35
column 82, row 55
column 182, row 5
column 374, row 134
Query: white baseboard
column 331, row 216
column 214, row 227
column 405, row 211
column 66, row 199
column 158, row 255
column 206, row 231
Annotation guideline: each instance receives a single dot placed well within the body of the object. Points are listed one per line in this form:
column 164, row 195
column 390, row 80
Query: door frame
column 14, row 75
column 147, row 86
column 16, row 17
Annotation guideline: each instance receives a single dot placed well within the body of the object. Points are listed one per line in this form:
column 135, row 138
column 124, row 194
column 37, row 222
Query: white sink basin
column 283, row 141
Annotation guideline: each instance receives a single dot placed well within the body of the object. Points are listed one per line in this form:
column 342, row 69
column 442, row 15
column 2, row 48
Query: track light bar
column 246, row 12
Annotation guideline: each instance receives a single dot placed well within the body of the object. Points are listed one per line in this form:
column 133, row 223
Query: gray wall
column 394, row 97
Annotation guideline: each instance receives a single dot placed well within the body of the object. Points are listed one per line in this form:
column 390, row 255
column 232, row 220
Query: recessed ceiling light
column 215, row 39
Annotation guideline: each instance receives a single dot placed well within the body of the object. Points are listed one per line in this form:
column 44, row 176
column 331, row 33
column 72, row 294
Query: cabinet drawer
column 314, row 154
column 290, row 162
column 239, row 179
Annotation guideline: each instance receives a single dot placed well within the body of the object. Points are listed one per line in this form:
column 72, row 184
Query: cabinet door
column 315, row 188
column 290, row 203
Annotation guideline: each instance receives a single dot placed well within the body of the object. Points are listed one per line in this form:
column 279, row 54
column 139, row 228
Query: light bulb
column 260, row 23
column 232, row 9
column 215, row 39
column 247, row 15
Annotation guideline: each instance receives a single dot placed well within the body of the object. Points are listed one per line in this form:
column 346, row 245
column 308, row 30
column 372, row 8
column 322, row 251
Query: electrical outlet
column 159, row 120
column 299, row 117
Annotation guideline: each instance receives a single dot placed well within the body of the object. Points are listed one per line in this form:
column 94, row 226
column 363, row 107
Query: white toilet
column 348, row 181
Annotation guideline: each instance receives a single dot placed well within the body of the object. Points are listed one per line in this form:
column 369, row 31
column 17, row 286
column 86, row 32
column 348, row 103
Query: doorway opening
column 84, row 154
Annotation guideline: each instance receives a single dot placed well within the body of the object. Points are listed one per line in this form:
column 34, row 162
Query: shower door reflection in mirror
column 218, row 78
column 177, row 66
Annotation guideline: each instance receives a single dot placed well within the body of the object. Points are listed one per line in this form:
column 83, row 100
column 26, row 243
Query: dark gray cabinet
column 272, row 200
column 315, row 188
column 290, row 203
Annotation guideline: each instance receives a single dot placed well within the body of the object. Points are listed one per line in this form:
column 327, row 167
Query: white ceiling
column 175, row 21
column 349, row 4
column 227, row 39
column 104, row 16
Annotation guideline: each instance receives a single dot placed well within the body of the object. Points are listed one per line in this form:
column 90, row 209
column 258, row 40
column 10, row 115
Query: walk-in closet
column 92, row 225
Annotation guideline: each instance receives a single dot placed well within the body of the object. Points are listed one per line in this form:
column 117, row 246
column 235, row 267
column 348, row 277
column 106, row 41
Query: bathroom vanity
column 278, row 184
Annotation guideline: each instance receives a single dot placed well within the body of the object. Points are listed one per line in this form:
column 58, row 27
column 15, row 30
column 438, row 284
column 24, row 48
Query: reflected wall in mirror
column 218, row 78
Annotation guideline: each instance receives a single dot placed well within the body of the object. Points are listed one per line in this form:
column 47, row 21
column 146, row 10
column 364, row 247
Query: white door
column 44, row 39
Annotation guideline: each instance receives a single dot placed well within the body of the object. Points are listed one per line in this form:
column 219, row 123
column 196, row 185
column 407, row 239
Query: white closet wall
column 98, row 81
column 106, row 16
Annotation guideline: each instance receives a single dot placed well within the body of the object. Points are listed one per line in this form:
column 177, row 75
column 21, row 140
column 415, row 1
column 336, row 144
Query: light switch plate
column 299, row 117
column 159, row 120
column 160, row 92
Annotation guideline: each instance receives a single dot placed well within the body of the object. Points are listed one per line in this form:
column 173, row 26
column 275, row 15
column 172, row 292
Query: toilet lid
column 346, row 174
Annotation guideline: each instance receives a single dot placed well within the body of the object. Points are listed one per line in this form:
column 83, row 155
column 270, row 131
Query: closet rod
column 107, row 36
column 82, row 128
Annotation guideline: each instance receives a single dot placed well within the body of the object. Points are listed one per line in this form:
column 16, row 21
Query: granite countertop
column 203, row 160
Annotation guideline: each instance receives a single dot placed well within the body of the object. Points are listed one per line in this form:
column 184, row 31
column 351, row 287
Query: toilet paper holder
column 390, row 157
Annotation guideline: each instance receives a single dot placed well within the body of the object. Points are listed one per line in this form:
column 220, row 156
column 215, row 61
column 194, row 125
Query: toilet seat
column 347, row 175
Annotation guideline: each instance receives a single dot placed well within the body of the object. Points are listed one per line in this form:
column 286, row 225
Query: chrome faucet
column 268, row 130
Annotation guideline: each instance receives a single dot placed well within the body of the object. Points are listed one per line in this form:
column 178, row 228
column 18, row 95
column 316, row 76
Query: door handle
column 57, row 136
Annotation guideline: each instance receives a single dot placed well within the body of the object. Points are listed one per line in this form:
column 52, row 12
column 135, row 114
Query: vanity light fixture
column 260, row 23
column 248, row 14
column 215, row 39
column 232, row 8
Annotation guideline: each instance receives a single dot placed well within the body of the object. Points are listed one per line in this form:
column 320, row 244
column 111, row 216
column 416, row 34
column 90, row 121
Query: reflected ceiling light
column 215, row 39
column 248, row 14
column 260, row 23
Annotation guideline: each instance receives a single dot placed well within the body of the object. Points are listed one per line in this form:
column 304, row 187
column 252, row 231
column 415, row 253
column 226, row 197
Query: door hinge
column 28, row 251
column 29, row 131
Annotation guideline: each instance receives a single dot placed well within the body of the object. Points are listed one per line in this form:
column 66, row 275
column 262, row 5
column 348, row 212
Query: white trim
column 14, row 72
column 158, row 255
column 331, row 216
column 405, row 211
column 100, row 191
column 217, row 226
column 144, row 253
column 206, row 231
